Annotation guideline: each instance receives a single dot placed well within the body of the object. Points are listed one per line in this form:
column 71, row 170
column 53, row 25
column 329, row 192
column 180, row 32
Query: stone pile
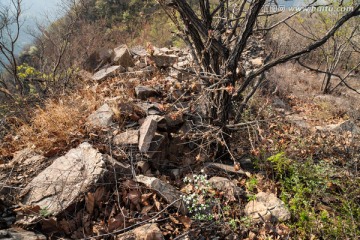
column 151, row 136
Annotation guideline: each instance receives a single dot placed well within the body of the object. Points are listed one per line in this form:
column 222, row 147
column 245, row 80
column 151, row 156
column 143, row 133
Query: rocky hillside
column 123, row 158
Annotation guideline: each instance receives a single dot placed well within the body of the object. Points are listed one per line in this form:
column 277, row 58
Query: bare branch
column 309, row 48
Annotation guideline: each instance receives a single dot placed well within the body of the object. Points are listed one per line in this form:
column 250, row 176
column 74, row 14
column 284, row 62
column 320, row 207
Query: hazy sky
column 35, row 11
column 38, row 8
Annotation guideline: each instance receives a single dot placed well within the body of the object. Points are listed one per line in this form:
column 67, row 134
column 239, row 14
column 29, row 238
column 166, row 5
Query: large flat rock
column 65, row 180
column 107, row 72
column 130, row 137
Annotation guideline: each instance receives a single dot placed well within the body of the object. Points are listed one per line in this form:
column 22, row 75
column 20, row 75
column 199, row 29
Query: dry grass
column 301, row 89
column 54, row 127
column 60, row 124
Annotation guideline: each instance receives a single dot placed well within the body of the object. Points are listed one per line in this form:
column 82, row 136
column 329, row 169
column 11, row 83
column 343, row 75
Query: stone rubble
column 154, row 134
column 144, row 92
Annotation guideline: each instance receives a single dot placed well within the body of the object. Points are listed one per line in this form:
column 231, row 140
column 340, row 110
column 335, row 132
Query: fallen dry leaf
column 146, row 209
column 49, row 226
column 98, row 195
column 186, row 221
column 145, row 197
column 89, row 202
column 134, row 197
column 173, row 219
column 29, row 210
column 157, row 203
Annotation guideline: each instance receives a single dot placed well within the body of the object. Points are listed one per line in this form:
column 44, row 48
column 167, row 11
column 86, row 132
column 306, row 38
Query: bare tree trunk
column 327, row 83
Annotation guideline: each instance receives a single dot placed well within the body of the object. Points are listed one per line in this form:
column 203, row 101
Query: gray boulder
column 123, row 57
column 65, row 180
column 139, row 50
column 164, row 60
column 101, row 117
column 346, row 126
column 144, row 92
column 227, row 186
column 268, row 207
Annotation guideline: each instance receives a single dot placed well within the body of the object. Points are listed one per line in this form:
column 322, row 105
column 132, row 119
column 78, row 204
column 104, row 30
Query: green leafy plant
column 306, row 188
column 280, row 162
column 44, row 212
column 251, row 183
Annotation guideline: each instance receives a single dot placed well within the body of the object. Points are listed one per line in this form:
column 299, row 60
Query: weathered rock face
column 98, row 59
column 164, row 60
column 101, row 117
column 147, row 132
column 107, row 72
column 298, row 120
column 145, row 232
column 24, row 157
column 20, row 234
column 268, row 206
column 65, row 180
column 26, row 164
column 144, row 92
column 225, row 185
column 346, row 126
column 149, row 108
column 130, row 137
column 123, row 57
column 139, row 51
